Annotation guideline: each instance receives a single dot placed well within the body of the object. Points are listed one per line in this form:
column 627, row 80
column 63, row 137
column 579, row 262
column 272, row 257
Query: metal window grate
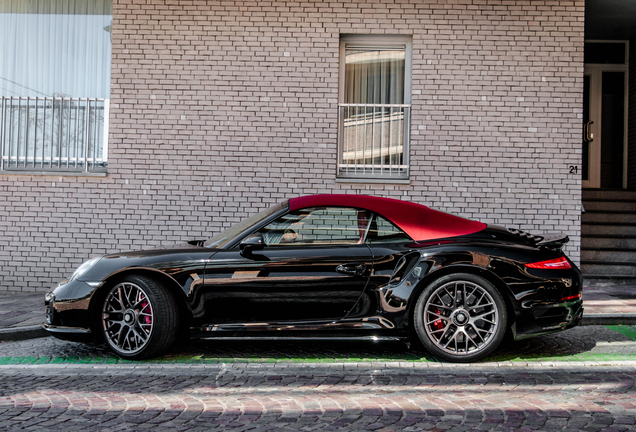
column 54, row 134
column 373, row 141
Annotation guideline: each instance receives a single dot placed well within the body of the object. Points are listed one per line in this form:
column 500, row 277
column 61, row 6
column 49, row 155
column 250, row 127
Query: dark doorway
column 612, row 129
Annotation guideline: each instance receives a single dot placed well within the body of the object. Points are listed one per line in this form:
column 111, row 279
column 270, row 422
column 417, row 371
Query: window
column 331, row 225
column 383, row 231
column 375, row 109
column 54, row 84
column 316, row 225
column 605, row 52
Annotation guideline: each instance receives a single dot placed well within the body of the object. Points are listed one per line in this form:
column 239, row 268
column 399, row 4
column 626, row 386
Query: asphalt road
column 582, row 379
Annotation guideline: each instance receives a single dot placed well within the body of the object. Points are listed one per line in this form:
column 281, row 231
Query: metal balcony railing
column 54, row 134
column 373, row 141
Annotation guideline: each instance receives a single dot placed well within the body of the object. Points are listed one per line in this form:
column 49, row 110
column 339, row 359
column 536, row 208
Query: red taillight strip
column 571, row 297
column 554, row 264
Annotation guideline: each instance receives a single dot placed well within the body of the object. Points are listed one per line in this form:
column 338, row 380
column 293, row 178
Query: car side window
column 318, row 225
column 383, row 231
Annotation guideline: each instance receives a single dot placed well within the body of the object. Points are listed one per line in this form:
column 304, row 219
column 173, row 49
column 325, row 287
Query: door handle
column 587, row 131
column 352, row 269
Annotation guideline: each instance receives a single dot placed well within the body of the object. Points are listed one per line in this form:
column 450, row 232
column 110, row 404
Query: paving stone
column 247, row 400
column 48, row 384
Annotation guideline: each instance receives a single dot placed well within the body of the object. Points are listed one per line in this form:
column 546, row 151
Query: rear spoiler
column 554, row 241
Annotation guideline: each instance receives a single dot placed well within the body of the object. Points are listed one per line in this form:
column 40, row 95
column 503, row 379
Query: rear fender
column 435, row 274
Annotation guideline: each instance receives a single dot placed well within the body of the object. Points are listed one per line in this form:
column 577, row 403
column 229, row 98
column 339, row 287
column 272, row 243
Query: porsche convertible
column 328, row 266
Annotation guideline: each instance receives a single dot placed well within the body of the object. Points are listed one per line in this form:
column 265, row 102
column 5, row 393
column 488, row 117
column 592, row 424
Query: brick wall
column 219, row 108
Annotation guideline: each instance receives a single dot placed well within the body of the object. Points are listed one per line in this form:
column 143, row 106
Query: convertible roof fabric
column 419, row 222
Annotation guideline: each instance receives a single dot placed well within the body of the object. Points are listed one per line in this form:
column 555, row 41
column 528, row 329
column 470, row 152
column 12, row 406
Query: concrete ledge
column 37, row 173
column 287, row 368
column 22, row 333
column 609, row 319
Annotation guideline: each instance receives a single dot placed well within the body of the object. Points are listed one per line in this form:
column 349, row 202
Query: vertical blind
column 58, row 48
column 55, row 58
column 374, row 75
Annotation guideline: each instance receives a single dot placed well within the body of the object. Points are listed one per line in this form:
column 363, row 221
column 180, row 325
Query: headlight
column 83, row 268
column 49, row 308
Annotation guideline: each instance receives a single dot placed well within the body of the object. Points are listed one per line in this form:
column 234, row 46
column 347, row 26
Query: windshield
column 222, row 238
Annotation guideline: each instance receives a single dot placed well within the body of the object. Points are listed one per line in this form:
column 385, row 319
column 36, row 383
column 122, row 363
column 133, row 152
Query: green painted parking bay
column 588, row 344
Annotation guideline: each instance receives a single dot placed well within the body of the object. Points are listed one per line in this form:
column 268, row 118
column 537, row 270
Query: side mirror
column 251, row 243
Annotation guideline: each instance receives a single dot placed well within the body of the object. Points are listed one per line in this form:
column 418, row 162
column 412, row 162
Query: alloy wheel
column 461, row 318
column 127, row 318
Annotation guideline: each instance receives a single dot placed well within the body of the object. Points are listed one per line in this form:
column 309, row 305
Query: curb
column 22, row 333
column 609, row 319
column 386, row 368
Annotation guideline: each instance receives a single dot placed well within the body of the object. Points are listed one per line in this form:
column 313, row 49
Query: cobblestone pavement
column 579, row 379
column 309, row 397
column 21, row 309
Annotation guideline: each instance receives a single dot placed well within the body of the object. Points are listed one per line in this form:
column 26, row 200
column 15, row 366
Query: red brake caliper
column 147, row 318
column 438, row 324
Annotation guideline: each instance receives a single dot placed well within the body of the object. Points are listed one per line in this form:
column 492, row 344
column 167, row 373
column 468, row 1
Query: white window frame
column 380, row 173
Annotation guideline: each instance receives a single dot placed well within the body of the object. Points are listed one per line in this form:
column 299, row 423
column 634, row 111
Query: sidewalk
column 21, row 314
column 609, row 305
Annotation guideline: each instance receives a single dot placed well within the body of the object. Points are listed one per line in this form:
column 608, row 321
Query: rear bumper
column 545, row 317
column 552, row 303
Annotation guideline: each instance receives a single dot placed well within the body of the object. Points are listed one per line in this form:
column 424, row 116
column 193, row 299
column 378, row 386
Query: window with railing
column 69, row 134
column 54, row 85
column 374, row 113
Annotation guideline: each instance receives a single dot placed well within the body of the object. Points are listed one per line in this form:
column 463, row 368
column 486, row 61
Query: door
column 312, row 267
column 604, row 158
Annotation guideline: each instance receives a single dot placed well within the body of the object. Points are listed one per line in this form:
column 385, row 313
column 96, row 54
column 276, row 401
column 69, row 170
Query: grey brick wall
column 219, row 108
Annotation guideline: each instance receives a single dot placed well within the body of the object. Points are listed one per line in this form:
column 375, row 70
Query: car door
column 393, row 259
column 312, row 266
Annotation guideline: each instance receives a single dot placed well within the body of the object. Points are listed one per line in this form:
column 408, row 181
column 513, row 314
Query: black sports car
column 348, row 266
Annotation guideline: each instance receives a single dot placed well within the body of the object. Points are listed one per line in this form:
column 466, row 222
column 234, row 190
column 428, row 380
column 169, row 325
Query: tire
column 139, row 318
column 460, row 318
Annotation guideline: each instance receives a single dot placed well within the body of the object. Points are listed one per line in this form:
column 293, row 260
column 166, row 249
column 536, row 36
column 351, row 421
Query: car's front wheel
column 139, row 318
column 460, row 317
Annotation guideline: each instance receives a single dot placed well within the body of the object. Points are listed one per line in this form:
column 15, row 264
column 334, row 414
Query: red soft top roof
column 419, row 222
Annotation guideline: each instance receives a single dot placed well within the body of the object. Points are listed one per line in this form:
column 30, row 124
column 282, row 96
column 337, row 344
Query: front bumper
column 69, row 333
column 67, row 310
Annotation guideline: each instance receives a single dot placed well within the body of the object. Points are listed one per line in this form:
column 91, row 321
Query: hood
column 192, row 244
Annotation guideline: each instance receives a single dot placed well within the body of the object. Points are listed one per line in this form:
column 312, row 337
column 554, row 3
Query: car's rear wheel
column 139, row 318
column 460, row 317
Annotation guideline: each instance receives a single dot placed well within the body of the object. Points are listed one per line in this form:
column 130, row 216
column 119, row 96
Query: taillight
column 554, row 264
